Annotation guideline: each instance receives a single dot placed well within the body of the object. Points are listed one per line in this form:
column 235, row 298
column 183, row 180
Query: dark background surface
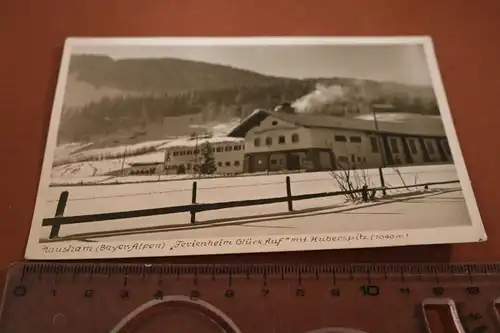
column 466, row 36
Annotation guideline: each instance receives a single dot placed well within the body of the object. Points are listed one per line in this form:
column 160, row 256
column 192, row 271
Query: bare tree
column 351, row 175
column 407, row 187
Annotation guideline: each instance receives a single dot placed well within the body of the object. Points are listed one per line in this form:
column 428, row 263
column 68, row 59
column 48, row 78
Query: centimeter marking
column 436, row 270
column 369, row 272
column 437, row 280
column 40, row 270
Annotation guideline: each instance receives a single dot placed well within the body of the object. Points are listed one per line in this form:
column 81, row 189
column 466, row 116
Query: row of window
column 375, row 145
column 190, row 166
column 228, row 164
column 342, row 138
column 281, row 140
column 216, row 149
column 413, row 147
column 354, row 159
column 355, row 139
column 359, row 159
column 411, row 144
column 394, row 146
column 393, row 143
column 278, row 162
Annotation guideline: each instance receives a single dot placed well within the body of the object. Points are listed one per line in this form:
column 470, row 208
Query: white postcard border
column 459, row 234
column 229, row 245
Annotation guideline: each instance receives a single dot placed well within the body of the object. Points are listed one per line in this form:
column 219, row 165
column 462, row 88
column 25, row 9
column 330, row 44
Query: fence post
column 382, row 180
column 364, row 193
column 289, row 194
column 193, row 201
column 61, row 206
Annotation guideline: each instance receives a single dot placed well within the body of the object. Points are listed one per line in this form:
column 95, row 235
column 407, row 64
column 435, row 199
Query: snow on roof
column 157, row 157
column 188, row 142
column 237, row 126
column 423, row 125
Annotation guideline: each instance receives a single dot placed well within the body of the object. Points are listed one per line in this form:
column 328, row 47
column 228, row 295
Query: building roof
column 418, row 125
column 146, row 159
column 188, row 142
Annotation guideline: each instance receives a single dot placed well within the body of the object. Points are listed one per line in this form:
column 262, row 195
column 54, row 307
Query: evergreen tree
column 207, row 166
column 166, row 164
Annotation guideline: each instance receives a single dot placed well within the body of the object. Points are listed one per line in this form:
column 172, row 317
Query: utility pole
column 197, row 157
column 196, row 152
column 381, row 149
column 123, row 160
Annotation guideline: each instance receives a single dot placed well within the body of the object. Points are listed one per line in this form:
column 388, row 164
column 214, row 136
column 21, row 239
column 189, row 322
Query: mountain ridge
column 112, row 100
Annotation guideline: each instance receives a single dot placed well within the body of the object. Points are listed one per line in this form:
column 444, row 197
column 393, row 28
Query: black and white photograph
column 182, row 146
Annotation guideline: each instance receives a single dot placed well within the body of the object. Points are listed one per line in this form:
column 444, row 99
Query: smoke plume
column 320, row 98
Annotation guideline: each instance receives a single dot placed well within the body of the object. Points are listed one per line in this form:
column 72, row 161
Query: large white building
column 184, row 155
column 285, row 140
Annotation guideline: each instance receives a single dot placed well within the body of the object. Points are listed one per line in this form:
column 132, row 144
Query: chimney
column 285, row 108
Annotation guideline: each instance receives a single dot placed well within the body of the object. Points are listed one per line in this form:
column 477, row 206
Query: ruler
column 245, row 298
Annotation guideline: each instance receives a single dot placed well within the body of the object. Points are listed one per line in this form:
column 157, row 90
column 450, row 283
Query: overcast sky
column 397, row 63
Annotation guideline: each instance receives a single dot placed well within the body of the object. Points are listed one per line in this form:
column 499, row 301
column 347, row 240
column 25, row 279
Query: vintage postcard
column 192, row 146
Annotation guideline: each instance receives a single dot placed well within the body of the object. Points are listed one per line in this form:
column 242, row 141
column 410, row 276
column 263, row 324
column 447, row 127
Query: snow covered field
column 330, row 214
column 82, row 171
column 74, row 173
column 75, row 152
column 64, row 151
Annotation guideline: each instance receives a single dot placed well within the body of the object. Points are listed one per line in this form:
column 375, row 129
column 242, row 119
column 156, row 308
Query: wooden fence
column 194, row 207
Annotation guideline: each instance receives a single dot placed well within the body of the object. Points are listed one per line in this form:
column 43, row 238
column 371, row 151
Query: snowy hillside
column 86, row 169
column 103, row 167
column 71, row 153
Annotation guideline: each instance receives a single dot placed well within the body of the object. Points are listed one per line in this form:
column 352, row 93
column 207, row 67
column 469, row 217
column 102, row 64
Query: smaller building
column 185, row 155
column 144, row 169
column 144, row 165
column 140, row 165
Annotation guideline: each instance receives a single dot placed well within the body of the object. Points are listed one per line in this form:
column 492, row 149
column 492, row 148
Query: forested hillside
column 134, row 99
column 162, row 75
